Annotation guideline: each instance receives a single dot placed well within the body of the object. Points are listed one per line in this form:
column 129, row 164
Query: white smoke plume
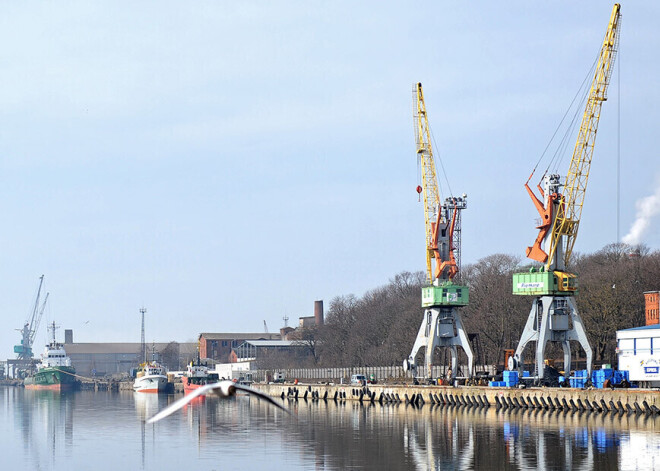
column 647, row 207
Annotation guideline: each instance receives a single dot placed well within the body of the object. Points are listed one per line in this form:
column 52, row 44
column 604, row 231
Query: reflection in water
column 399, row 436
column 46, row 430
column 146, row 405
column 48, row 411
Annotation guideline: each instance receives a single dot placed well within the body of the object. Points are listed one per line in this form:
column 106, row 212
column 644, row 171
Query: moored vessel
column 54, row 372
column 150, row 378
column 197, row 375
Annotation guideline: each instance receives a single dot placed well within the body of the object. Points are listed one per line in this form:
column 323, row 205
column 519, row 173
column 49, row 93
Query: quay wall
column 595, row 400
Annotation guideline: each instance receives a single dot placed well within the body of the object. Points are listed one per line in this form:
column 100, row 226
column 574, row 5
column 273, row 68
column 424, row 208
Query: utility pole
column 143, row 345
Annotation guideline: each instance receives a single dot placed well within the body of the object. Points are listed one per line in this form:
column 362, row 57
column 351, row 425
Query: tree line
column 379, row 328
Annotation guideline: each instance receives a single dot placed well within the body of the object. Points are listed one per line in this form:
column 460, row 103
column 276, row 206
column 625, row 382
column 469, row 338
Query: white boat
column 151, row 378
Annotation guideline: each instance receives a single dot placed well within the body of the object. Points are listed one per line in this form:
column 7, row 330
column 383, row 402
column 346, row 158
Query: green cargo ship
column 55, row 371
column 56, row 378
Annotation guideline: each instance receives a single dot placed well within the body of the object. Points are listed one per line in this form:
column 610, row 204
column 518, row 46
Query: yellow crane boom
column 569, row 213
column 442, row 221
column 429, row 187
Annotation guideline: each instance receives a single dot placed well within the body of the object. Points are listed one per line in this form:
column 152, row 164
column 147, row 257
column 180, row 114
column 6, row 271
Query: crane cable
column 618, row 144
column 434, row 145
column 444, row 173
column 582, row 90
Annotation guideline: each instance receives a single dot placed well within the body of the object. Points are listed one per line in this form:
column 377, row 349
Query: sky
column 228, row 163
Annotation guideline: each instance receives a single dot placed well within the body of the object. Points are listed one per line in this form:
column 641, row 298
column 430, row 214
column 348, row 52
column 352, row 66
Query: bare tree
column 308, row 339
column 494, row 312
column 380, row 327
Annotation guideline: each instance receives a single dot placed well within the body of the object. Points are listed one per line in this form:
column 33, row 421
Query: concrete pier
column 99, row 385
column 594, row 400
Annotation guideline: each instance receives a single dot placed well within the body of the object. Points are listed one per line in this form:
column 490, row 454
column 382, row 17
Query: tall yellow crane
column 442, row 325
column 568, row 214
column 564, row 227
column 436, row 216
column 554, row 315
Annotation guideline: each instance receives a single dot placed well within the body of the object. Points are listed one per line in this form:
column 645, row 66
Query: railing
column 380, row 373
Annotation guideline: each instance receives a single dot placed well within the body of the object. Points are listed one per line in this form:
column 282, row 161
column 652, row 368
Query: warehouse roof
column 241, row 336
column 128, row 347
column 274, row 343
column 644, row 327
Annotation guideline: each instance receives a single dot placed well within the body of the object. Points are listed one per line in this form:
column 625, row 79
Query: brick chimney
column 318, row 312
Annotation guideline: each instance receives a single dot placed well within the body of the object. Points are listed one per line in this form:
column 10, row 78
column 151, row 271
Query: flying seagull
column 222, row 389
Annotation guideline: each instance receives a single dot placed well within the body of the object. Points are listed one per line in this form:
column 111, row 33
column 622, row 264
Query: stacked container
column 598, row 377
column 510, row 379
column 619, row 376
column 580, row 379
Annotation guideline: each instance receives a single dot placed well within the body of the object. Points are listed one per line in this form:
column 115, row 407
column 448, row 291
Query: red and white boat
column 197, row 375
column 151, row 378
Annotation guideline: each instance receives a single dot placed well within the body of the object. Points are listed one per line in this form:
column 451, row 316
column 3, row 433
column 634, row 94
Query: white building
column 232, row 370
column 638, row 350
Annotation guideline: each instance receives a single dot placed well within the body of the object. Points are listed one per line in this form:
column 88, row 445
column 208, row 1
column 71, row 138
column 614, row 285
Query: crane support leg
column 566, row 346
column 454, row 362
column 552, row 319
column 579, row 334
column 530, row 332
column 441, row 327
column 464, row 342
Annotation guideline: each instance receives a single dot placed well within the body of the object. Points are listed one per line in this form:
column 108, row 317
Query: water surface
column 44, row 430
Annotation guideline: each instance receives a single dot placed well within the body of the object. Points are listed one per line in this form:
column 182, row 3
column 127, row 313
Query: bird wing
column 178, row 404
column 260, row 395
column 216, row 388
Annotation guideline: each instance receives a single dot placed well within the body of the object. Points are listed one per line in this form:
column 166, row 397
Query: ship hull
column 52, row 379
column 190, row 384
column 150, row 384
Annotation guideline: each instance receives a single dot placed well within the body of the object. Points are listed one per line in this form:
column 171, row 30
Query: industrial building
column 101, row 359
column 107, row 359
column 638, row 349
column 222, row 347
column 652, row 307
column 255, row 350
column 218, row 346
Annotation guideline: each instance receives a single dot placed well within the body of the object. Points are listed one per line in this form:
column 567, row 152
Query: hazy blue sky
column 226, row 163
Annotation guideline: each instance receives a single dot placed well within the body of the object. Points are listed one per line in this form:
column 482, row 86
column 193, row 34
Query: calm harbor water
column 41, row 430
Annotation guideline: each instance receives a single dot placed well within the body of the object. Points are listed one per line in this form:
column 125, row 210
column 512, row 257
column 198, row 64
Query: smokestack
column 652, row 299
column 318, row 312
column 68, row 336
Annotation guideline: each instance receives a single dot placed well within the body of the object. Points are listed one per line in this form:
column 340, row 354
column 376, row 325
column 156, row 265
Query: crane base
column 552, row 319
column 442, row 326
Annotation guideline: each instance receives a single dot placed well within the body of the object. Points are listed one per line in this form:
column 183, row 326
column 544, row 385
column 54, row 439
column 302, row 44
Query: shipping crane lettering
column 554, row 316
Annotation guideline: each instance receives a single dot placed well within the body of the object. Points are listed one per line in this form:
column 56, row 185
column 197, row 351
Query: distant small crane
column 29, row 330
